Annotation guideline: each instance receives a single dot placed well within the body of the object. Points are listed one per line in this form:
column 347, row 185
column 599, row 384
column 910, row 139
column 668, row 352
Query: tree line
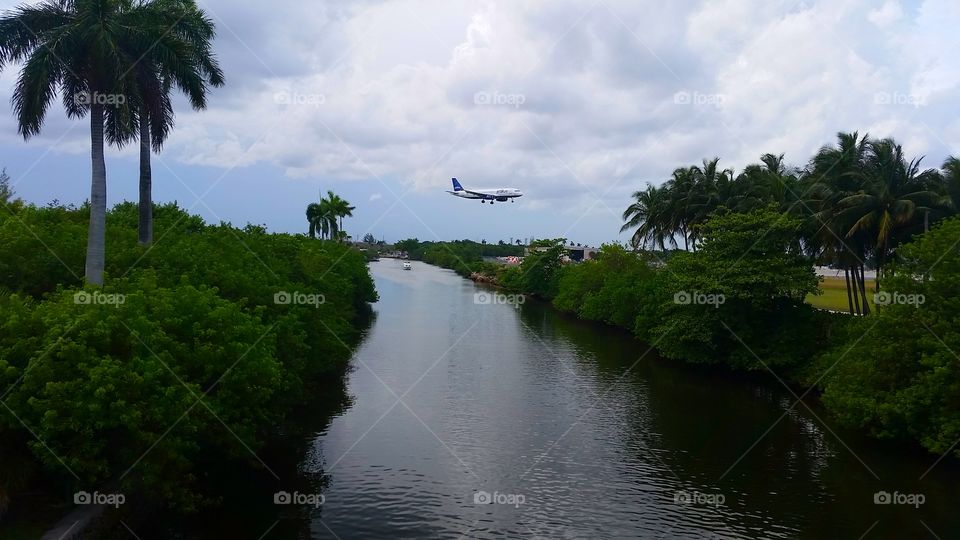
column 856, row 201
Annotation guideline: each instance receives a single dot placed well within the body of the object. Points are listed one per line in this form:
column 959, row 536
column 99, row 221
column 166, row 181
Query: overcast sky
column 578, row 104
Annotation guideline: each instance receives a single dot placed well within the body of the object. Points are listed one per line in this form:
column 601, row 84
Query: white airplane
column 500, row 194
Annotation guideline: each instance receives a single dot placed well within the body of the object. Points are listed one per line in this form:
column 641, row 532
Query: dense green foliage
column 193, row 349
column 462, row 256
column 739, row 298
column 857, row 201
column 896, row 373
column 618, row 287
column 539, row 273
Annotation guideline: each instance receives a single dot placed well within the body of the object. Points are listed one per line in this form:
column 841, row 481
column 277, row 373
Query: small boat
column 407, row 266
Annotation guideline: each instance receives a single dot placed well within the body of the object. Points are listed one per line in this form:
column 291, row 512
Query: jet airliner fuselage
column 484, row 195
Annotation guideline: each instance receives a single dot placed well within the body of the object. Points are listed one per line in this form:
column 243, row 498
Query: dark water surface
column 576, row 431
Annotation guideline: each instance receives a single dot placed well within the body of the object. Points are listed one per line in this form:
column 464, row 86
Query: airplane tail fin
column 456, row 185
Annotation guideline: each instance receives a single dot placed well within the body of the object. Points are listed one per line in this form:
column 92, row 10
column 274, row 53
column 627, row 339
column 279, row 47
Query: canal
column 570, row 430
column 467, row 417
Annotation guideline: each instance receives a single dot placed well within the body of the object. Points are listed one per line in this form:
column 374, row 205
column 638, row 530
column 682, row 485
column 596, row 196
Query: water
column 577, row 431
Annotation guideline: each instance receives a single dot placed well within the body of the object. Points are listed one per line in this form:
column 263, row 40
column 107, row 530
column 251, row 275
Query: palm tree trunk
column 846, row 276
column 146, row 182
column 863, row 292
column 856, row 291
column 96, row 232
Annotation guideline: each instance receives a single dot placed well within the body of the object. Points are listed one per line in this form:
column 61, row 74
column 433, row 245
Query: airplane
column 500, row 194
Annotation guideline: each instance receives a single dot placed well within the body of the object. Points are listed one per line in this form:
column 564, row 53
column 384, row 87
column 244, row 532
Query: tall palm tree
column 764, row 183
column 951, row 184
column 314, row 211
column 710, row 188
column 181, row 58
column 339, row 208
column 892, row 200
column 87, row 49
column 321, row 219
column 649, row 216
column 834, row 174
column 323, row 215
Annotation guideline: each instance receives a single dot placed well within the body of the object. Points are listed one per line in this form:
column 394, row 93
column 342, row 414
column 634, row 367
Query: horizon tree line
column 858, row 200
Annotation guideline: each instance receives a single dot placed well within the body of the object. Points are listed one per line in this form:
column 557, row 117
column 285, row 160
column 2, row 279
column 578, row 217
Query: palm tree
column 323, row 216
column 834, row 174
column 314, row 213
column 892, row 201
column 182, row 57
column 339, row 208
column 650, row 216
column 321, row 219
column 710, row 188
column 763, row 183
column 87, row 49
column 951, row 184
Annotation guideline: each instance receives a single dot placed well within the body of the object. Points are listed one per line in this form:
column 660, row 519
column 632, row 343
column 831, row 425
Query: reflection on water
column 596, row 435
column 574, row 431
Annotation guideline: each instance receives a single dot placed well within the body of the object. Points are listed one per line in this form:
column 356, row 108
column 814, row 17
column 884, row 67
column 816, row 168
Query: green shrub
column 896, row 373
column 197, row 362
column 618, row 287
column 739, row 299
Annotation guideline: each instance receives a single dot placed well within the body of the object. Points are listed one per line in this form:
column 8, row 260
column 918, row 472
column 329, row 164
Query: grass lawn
column 835, row 295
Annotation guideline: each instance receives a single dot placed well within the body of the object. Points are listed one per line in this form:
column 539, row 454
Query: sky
column 576, row 103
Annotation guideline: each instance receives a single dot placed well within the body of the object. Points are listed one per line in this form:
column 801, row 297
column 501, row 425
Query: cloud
column 887, row 14
column 569, row 101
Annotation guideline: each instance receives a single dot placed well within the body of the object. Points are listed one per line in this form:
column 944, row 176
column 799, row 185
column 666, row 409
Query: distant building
column 581, row 253
column 575, row 252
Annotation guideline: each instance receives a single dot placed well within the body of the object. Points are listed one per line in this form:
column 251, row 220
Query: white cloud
column 887, row 14
column 576, row 99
